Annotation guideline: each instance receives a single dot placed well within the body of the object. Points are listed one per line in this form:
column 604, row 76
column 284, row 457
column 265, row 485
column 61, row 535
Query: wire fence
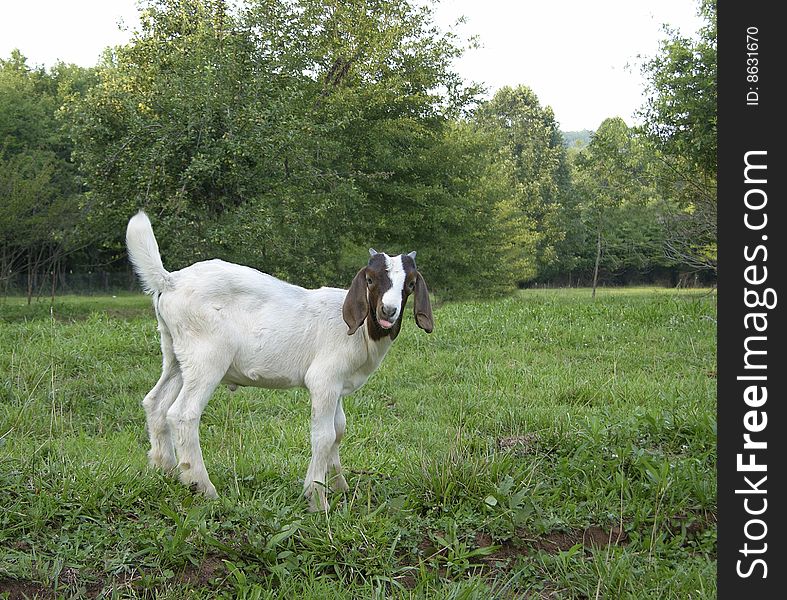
column 90, row 283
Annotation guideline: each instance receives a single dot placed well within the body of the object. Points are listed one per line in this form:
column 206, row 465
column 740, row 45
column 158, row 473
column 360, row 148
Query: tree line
column 291, row 136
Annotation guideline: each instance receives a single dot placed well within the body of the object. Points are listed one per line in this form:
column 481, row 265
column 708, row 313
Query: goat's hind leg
column 200, row 379
column 157, row 403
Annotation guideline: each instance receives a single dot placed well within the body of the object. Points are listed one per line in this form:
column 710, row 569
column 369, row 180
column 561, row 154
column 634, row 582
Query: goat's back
column 217, row 280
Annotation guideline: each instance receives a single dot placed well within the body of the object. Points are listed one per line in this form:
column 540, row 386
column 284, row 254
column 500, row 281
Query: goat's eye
column 369, row 281
column 411, row 286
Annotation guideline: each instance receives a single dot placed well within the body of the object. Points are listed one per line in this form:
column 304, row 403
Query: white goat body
column 271, row 333
column 226, row 323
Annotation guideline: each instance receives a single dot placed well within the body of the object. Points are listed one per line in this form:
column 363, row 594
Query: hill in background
column 577, row 138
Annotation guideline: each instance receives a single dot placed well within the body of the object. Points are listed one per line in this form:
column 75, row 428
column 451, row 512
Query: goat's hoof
column 206, row 489
column 318, row 505
column 318, row 501
column 340, row 484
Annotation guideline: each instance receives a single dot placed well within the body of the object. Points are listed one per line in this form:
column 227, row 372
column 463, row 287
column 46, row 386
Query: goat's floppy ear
column 423, row 307
column 356, row 306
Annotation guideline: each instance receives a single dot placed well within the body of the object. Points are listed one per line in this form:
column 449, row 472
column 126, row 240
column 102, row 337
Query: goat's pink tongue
column 386, row 324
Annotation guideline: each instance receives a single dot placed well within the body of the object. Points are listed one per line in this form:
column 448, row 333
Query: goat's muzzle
column 386, row 316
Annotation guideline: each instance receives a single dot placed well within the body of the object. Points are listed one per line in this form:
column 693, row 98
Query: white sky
column 571, row 53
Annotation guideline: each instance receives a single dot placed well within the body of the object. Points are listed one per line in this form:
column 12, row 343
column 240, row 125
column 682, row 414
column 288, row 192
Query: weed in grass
column 455, row 555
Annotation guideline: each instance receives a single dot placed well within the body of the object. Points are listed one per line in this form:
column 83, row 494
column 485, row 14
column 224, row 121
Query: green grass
column 543, row 445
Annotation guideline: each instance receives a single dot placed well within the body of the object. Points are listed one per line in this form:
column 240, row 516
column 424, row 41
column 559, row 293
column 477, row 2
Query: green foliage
column 680, row 112
column 620, row 206
column 38, row 183
column 532, row 152
column 282, row 135
column 291, row 136
column 680, row 120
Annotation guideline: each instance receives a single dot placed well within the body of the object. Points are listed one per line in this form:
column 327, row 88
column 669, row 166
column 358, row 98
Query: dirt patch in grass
column 553, row 542
column 20, row 589
column 518, row 444
column 590, row 537
column 502, row 554
column 190, row 577
column 202, row 574
column 691, row 525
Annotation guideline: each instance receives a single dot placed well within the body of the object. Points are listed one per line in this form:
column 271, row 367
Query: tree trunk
column 55, row 269
column 598, row 260
column 5, row 274
column 29, row 277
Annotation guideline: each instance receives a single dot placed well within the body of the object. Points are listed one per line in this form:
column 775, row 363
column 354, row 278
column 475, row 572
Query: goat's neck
column 377, row 345
column 377, row 333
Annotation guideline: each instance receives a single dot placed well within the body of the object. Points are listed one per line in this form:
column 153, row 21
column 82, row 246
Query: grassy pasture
column 541, row 446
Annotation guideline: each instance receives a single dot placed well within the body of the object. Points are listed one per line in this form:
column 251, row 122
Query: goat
column 221, row 322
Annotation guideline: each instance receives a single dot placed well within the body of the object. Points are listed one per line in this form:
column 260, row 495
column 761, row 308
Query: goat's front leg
column 339, row 483
column 323, row 438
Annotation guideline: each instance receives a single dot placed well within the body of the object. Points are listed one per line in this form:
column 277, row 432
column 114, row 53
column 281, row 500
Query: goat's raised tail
column 144, row 254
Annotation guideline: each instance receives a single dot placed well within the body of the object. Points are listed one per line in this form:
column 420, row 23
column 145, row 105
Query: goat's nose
column 388, row 311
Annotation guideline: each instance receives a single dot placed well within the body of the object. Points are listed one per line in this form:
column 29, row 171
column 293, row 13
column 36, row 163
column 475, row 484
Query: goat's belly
column 251, row 378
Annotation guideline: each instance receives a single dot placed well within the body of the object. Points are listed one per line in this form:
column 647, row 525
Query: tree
column 531, row 145
column 38, row 184
column 289, row 136
column 619, row 202
column 680, row 120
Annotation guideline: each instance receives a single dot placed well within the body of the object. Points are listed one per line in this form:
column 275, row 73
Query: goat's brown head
column 380, row 290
